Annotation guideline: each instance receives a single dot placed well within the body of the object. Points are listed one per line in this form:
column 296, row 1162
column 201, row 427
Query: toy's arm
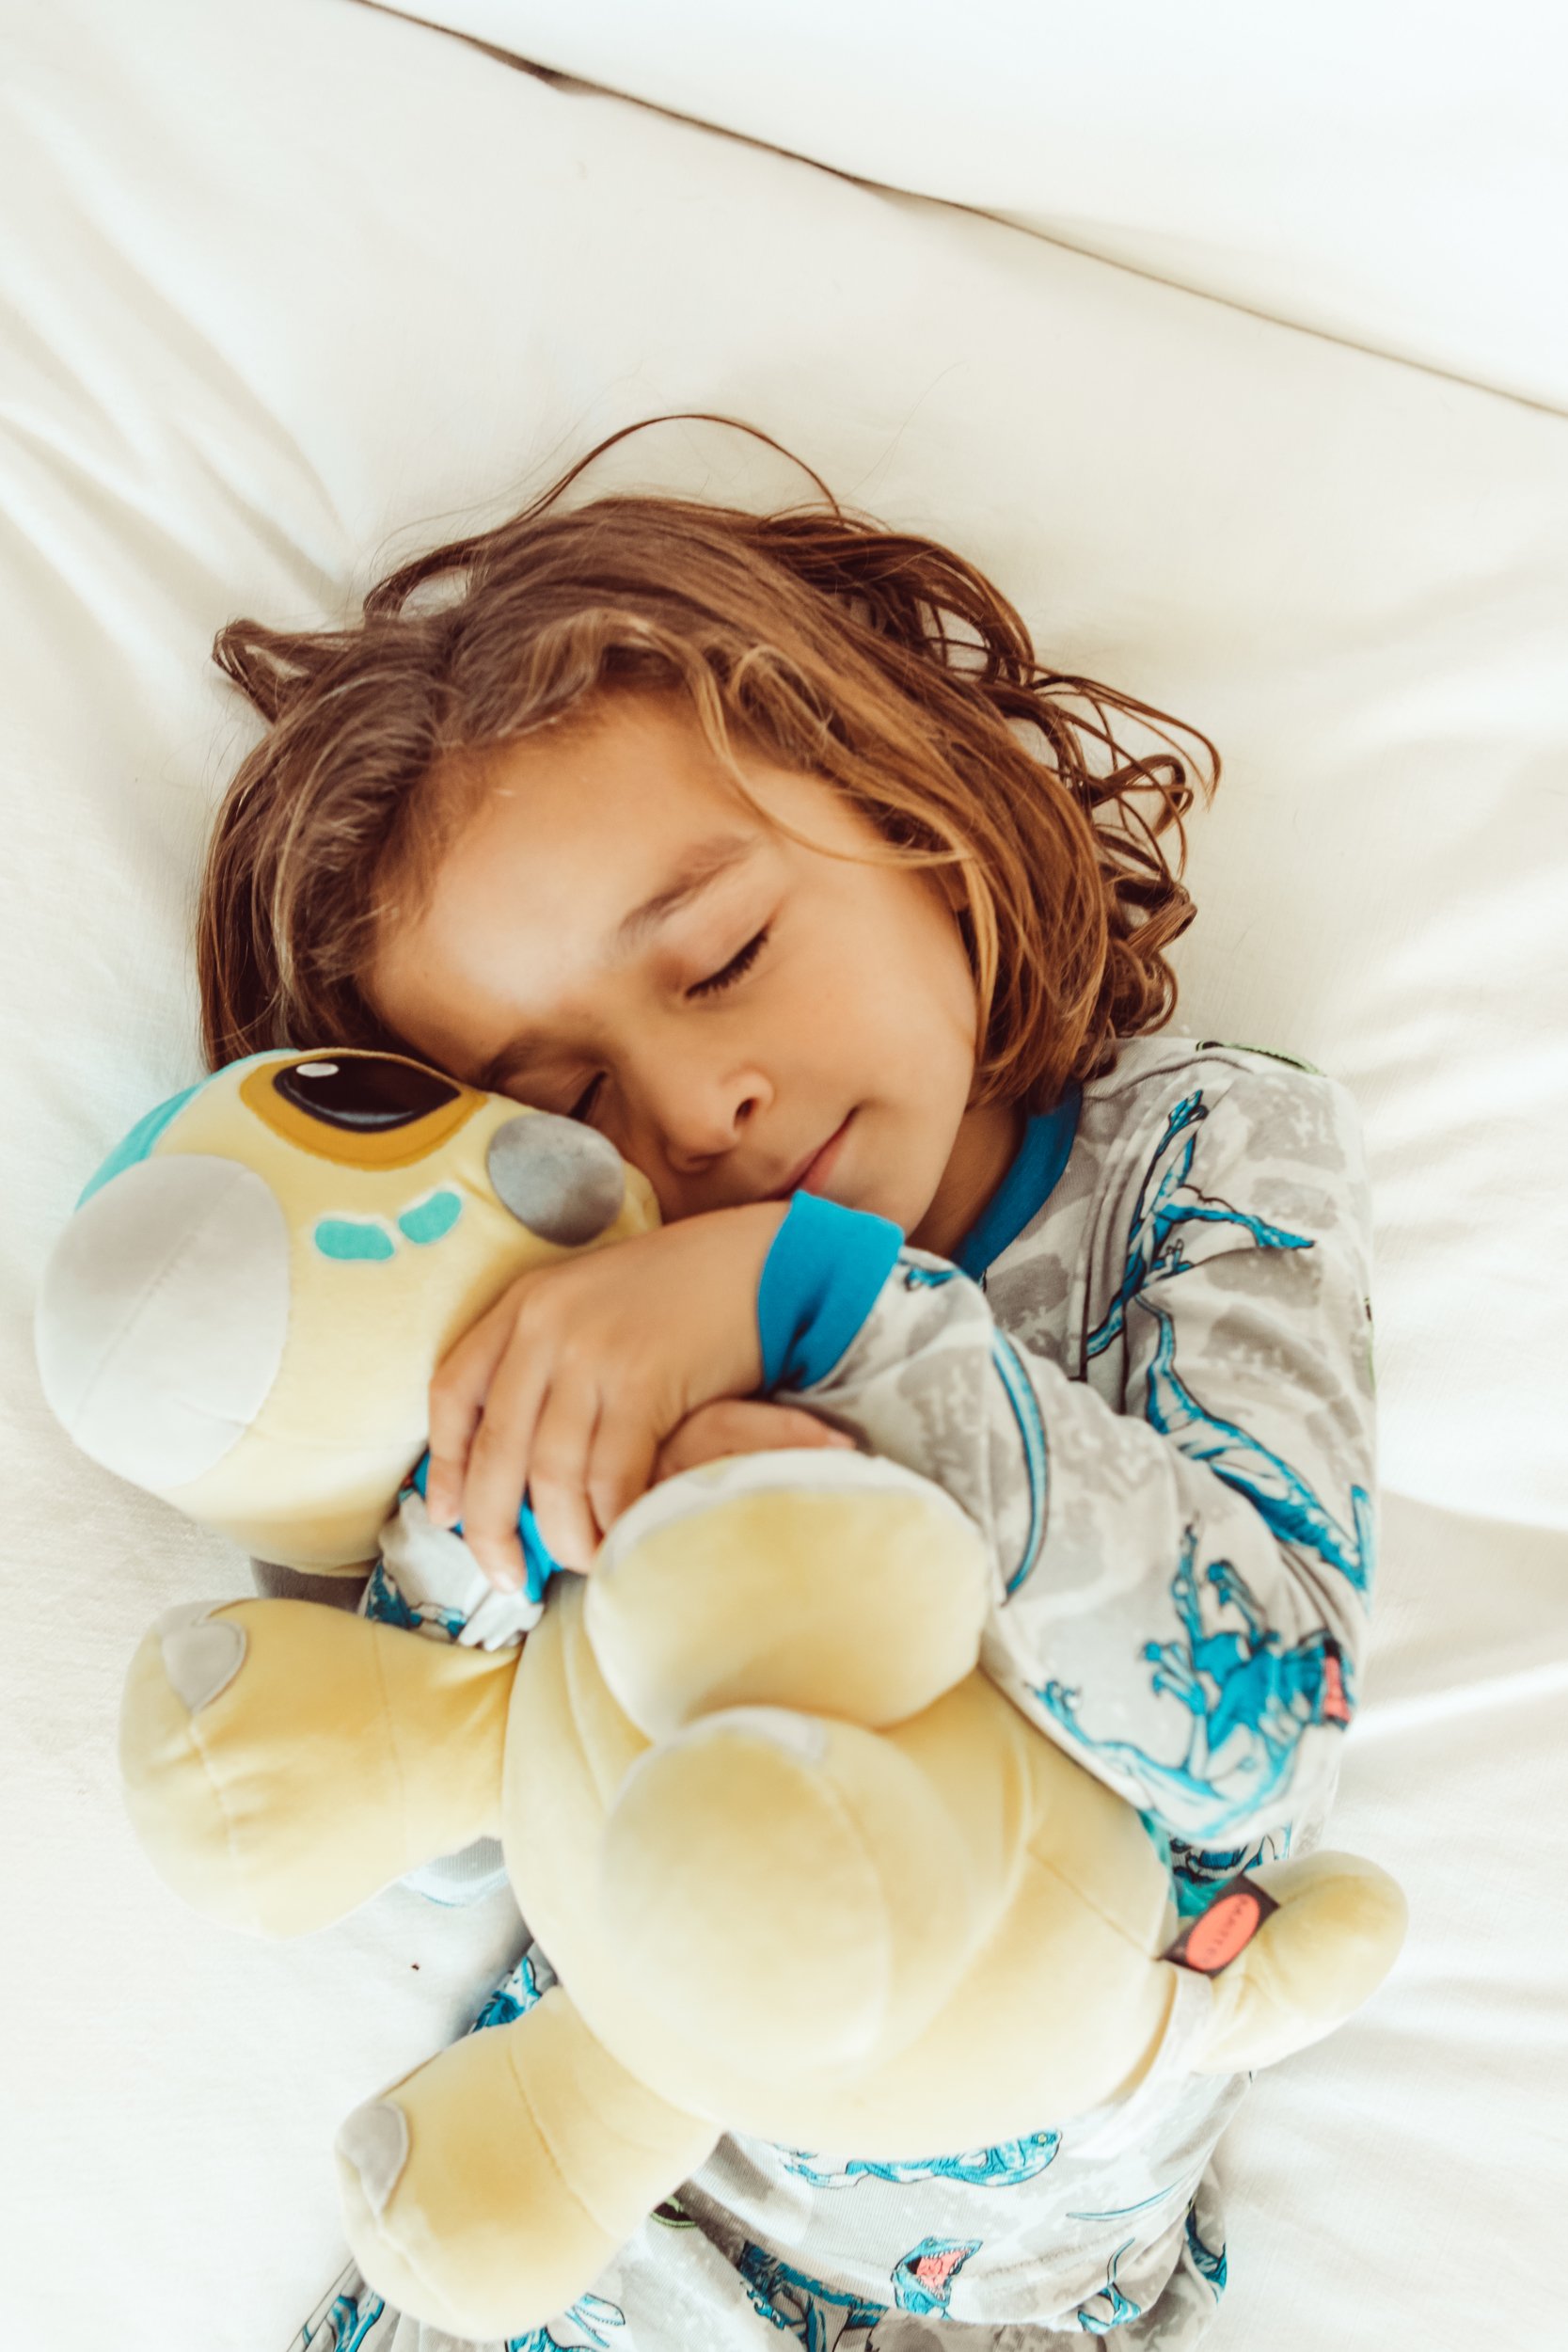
column 284, row 1762
column 1179, row 1582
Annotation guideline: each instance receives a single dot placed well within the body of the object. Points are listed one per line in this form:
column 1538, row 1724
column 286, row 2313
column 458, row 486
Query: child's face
column 859, row 1005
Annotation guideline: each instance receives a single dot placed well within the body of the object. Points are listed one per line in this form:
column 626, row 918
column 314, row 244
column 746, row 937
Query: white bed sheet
column 301, row 289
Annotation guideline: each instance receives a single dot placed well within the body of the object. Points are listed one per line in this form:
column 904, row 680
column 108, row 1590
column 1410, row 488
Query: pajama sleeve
column 1181, row 1538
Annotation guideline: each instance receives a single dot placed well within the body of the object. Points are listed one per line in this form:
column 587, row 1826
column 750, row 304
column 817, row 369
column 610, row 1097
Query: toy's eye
column 359, row 1109
column 367, row 1092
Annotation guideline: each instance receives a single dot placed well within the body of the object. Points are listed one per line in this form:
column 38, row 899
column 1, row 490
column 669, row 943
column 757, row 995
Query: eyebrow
column 703, row 864
column 700, row 866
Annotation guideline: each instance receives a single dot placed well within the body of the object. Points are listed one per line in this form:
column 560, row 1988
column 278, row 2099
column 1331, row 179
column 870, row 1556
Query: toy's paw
column 836, row 1582
column 787, row 1891
column 1335, row 1935
column 179, row 1692
column 487, row 2191
column 373, row 2143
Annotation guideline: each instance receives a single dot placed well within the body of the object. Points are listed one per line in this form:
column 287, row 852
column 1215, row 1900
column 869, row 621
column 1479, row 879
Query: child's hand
column 573, row 1380
column 741, row 1425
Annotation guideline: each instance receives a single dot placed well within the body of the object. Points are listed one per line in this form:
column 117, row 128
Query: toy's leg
column 1326, row 1949
column 795, row 1892
column 487, row 2191
column 284, row 1761
column 834, row 1581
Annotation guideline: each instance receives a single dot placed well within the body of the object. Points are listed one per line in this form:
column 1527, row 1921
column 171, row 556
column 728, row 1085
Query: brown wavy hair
column 818, row 635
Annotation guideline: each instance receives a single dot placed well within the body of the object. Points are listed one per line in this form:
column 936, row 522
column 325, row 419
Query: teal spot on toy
column 139, row 1142
column 427, row 1220
column 353, row 1237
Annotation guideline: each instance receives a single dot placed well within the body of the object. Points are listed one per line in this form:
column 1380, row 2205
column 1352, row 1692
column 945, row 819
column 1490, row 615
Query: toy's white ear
column 162, row 1314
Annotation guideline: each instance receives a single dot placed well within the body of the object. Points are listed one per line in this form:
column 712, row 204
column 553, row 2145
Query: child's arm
column 1181, row 1577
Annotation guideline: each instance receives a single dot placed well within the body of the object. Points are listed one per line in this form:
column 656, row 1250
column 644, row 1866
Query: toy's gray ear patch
column 557, row 1177
column 163, row 1316
column 375, row 2139
column 201, row 1655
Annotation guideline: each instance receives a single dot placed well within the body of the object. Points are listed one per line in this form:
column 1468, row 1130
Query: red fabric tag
column 1336, row 1703
column 1211, row 1941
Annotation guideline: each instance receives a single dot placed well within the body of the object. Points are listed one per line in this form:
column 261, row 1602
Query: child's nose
column 701, row 1128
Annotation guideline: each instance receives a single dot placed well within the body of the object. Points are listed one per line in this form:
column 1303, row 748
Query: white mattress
column 289, row 292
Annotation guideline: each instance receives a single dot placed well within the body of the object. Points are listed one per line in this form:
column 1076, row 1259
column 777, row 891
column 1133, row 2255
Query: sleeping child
column 763, row 845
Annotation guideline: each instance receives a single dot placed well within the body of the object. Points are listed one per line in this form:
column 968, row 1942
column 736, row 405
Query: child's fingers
column 559, row 1474
column 621, row 1468
column 456, row 1401
column 498, row 1463
column 741, row 1425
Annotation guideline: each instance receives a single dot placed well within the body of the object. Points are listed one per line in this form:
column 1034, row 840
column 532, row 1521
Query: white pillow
column 1393, row 172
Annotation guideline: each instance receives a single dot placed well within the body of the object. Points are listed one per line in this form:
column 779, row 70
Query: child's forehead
column 629, row 800
column 614, row 741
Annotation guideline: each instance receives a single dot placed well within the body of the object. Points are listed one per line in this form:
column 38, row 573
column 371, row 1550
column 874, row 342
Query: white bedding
column 1392, row 172
column 289, row 292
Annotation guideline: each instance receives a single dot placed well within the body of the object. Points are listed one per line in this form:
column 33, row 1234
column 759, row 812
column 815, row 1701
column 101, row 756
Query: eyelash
column 734, row 970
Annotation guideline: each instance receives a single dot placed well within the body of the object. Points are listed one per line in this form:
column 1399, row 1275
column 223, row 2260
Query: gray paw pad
column 201, row 1655
column 375, row 2140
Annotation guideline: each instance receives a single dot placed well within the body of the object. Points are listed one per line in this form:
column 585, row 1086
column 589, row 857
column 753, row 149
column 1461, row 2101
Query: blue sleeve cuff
column 820, row 1281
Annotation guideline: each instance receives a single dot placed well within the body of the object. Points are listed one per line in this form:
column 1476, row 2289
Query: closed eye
column 736, row 968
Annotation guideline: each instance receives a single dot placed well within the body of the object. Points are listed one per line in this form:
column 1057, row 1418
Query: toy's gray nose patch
column 557, row 1177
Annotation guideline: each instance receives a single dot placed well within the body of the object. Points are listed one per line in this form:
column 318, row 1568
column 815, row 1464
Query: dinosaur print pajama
column 1147, row 1376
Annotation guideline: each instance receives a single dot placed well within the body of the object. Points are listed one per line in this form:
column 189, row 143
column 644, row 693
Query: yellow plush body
column 800, row 1870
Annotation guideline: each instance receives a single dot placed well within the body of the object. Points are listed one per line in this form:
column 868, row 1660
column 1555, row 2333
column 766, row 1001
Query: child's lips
column 814, row 1171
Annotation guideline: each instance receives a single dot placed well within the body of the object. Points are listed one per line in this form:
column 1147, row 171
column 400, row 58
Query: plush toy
column 800, row 1870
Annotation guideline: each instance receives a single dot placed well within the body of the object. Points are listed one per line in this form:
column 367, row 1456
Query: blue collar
column 1026, row 1186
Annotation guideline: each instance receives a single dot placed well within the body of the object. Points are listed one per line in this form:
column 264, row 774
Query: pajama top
column 1147, row 1376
